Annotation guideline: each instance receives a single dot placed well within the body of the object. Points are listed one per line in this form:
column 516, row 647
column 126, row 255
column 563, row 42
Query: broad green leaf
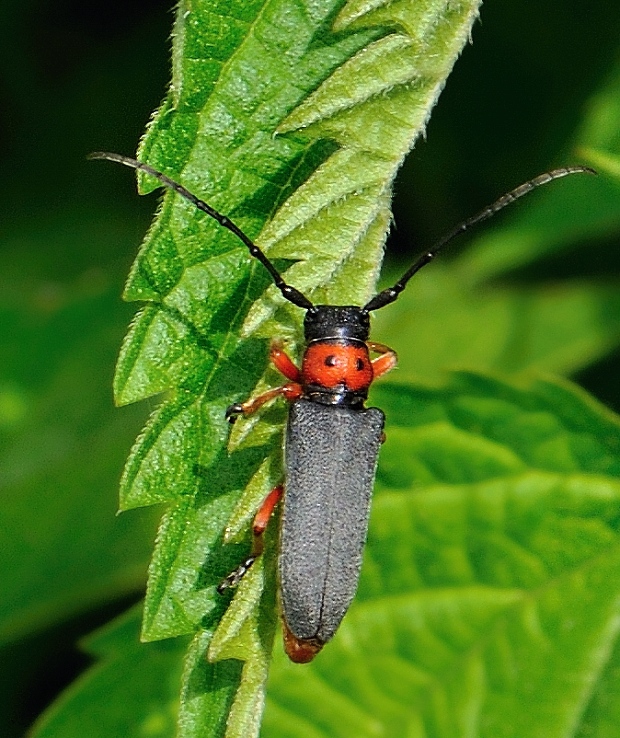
column 292, row 119
column 600, row 133
column 488, row 604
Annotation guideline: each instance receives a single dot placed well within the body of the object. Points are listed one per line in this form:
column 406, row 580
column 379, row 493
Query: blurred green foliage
column 539, row 84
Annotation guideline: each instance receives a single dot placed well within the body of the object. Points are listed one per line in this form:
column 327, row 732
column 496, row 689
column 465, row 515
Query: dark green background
column 79, row 76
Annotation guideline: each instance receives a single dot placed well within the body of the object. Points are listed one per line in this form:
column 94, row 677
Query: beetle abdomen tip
column 298, row 650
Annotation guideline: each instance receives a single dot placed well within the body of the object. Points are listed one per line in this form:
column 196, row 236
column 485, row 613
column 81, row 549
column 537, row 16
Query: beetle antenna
column 391, row 293
column 289, row 293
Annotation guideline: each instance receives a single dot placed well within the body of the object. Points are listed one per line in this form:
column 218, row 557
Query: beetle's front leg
column 261, row 519
column 283, row 362
column 290, row 391
column 384, row 363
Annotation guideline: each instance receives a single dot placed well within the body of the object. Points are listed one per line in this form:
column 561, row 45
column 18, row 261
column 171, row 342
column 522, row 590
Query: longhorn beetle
column 332, row 440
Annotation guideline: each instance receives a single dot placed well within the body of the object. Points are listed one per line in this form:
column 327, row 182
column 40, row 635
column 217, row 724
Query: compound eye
column 330, row 360
column 359, row 364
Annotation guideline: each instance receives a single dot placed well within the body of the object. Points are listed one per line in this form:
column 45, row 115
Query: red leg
column 289, row 391
column 261, row 520
column 283, row 362
column 384, row 363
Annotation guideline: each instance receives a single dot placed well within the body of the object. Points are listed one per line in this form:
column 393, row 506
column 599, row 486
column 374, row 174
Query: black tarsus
column 290, row 293
column 391, row 293
column 231, row 581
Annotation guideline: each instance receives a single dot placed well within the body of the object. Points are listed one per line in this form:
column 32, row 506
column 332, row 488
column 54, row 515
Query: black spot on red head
column 337, row 363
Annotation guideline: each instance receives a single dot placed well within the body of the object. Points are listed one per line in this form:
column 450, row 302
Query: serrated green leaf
column 347, row 104
column 208, row 691
column 164, row 351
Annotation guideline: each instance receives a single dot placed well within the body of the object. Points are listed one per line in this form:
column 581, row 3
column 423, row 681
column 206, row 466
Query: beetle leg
column 261, row 519
column 290, row 391
column 283, row 363
column 385, row 362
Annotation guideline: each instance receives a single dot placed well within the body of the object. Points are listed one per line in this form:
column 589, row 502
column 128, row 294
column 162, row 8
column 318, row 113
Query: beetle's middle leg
column 261, row 520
